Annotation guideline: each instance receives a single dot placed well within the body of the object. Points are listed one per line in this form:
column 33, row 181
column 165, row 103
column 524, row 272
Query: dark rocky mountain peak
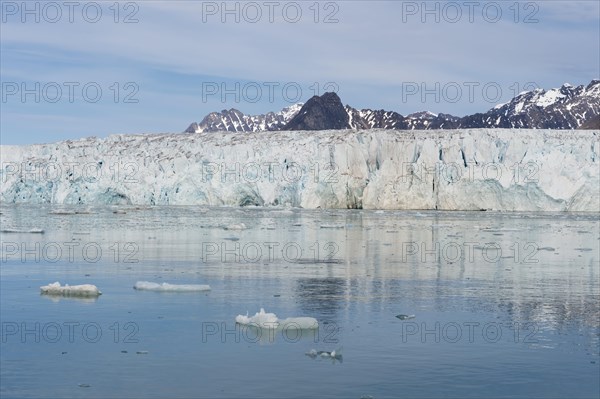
column 320, row 113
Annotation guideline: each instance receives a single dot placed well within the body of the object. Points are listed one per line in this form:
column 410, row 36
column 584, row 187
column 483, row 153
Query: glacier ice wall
column 494, row 169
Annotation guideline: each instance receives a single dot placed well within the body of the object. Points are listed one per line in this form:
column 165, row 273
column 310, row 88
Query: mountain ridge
column 567, row 107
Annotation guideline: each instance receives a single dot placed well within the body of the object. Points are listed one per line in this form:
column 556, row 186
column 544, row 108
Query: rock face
column 320, row 113
column 593, row 123
column 464, row 169
column 567, row 107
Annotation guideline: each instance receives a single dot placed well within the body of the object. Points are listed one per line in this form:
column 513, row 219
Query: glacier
column 464, row 169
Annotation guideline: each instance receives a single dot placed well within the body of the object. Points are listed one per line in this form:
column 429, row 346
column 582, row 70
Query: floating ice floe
column 336, row 354
column 166, row 287
column 31, row 231
column 85, row 290
column 263, row 319
column 237, row 227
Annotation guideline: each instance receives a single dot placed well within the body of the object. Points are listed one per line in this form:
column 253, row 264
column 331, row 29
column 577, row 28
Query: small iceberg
column 263, row 319
column 166, row 287
column 260, row 319
column 84, row 290
column 236, row 227
column 299, row 323
column 336, row 354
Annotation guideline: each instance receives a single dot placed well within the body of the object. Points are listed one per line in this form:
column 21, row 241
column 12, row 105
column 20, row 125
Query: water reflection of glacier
column 537, row 267
column 353, row 271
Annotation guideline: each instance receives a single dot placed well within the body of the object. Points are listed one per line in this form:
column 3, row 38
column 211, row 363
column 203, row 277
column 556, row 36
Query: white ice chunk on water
column 336, row 354
column 263, row 319
column 236, row 227
column 260, row 319
column 70, row 290
column 166, row 287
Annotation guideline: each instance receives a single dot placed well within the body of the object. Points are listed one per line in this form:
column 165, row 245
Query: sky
column 76, row 69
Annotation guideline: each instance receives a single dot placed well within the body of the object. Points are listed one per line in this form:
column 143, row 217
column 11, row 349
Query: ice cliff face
column 495, row 169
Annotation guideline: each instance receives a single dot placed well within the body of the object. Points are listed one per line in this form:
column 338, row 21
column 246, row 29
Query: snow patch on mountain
column 234, row 120
column 548, row 98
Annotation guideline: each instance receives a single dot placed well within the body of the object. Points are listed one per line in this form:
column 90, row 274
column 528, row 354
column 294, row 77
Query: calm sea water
column 504, row 304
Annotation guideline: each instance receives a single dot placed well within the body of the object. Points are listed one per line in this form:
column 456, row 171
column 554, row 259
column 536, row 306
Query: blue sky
column 155, row 73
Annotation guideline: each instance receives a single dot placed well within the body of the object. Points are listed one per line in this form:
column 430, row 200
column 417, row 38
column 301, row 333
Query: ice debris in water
column 238, row 227
column 166, row 287
column 336, row 354
column 405, row 316
column 70, row 290
column 263, row 319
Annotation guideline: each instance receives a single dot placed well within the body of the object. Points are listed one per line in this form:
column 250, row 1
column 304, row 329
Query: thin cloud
column 370, row 54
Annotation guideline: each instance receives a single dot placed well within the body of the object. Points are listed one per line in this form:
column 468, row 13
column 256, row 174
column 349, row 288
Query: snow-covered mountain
column 567, row 107
column 235, row 121
column 465, row 169
column 374, row 119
